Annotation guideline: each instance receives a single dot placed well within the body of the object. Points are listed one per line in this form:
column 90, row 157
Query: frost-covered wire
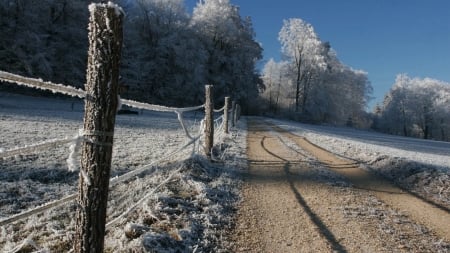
column 80, row 137
column 40, row 84
column 37, row 210
column 159, row 108
column 218, row 121
column 35, row 148
column 72, row 161
column 75, row 92
column 219, row 110
column 84, row 137
column 115, row 220
column 219, row 124
column 180, row 119
column 135, row 172
column 113, row 181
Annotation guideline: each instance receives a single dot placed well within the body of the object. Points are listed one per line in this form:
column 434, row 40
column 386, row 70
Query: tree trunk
column 278, row 94
column 225, row 114
column 105, row 38
column 297, row 95
column 233, row 111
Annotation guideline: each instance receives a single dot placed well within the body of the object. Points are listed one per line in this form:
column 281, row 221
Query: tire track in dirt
column 425, row 213
column 274, row 228
column 291, row 206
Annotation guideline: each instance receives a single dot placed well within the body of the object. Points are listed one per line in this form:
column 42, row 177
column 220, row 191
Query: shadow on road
column 326, row 233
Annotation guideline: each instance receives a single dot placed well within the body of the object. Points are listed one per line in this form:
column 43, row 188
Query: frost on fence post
column 225, row 114
column 209, row 120
column 105, row 43
column 233, row 111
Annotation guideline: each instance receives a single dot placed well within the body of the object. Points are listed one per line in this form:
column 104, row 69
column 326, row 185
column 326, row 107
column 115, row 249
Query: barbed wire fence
column 107, row 18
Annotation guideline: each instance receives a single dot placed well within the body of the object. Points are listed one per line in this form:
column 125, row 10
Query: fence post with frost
column 105, row 44
column 225, row 114
column 209, row 120
column 233, row 111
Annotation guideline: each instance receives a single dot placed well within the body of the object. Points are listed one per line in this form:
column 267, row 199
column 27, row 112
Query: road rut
column 298, row 197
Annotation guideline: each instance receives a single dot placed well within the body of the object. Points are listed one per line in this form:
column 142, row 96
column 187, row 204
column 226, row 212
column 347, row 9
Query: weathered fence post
column 209, row 120
column 105, row 44
column 233, row 111
column 225, row 114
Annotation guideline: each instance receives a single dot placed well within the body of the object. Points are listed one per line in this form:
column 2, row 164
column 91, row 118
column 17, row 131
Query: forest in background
column 170, row 54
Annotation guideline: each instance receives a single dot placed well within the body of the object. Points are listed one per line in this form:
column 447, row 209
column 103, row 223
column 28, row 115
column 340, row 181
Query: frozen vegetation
column 181, row 202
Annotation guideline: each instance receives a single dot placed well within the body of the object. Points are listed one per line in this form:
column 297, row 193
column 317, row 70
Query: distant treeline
column 415, row 107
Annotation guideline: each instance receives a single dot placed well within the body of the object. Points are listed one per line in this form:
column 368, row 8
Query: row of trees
column 46, row 39
column 311, row 83
column 415, row 107
column 169, row 54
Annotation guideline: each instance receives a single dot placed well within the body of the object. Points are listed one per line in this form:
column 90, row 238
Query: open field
column 292, row 194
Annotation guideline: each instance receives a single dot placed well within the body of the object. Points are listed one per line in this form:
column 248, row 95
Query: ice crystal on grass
column 188, row 213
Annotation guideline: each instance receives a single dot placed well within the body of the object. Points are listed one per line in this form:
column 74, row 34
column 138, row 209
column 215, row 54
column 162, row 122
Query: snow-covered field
column 192, row 210
column 421, row 166
column 189, row 212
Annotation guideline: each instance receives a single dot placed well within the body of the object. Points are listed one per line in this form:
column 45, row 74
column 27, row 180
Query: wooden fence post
column 209, row 120
column 233, row 111
column 225, row 114
column 105, row 44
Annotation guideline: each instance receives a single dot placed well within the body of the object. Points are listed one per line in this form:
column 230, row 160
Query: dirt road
column 298, row 197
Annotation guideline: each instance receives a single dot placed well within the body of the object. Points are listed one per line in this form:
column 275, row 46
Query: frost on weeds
column 188, row 213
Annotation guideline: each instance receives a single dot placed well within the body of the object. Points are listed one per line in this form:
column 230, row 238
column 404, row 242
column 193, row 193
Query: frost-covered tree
column 46, row 39
column 342, row 95
column 302, row 47
column 274, row 75
column 416, row 107
column 162, row 60
column 168, row 56
column 269, row 77
column 314, row 79
column 232, row 51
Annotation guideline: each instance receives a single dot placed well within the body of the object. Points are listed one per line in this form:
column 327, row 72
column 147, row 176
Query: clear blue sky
column 381, row 37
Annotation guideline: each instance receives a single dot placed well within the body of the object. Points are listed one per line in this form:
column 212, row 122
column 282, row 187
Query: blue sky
column 381, row 37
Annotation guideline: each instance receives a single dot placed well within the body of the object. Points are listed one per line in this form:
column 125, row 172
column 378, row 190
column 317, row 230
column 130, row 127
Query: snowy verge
column 193, row 211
